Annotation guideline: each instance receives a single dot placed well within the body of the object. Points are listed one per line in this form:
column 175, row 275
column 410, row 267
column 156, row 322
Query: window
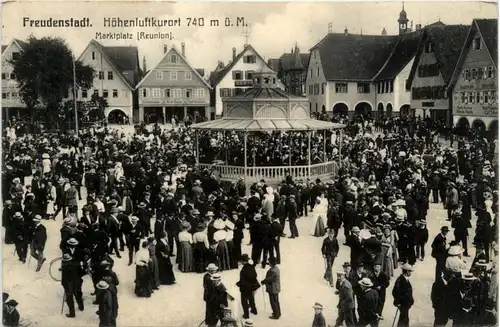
column 84, row 94
column 96, row 92
column 189, row 93
column 12, row 76
column 237, row 75
column 238, row 90
column 4, row 95
column 478, row 97
column 173, row 59
column 156, row 93
column 250, row 59
column 93, row 55
column 480, row 73
column 391, row 86
column 177, row 93
column 493, row 96
column 491, row 73
column 363, row 88
column 115, row 93
column 472, row 97
column 144, row 93
column 317, row 73
column 159, row 75
column 466, row 75
column 110, row 76
column 428, row 48
column 486, row 98
column 15, row 55
column 173, row 76
column 166, row 93
column 224, row 93
column 322, row 88
column 316, row 88
column 474, row 73
column 105, row 93
column 4, row 76
column 383, row 87
column 340, row 87
column 249, row 74
column 477, row 43
column 188, row 76
column 463, row 97
column 13, row 95
column 101, row 75
column 201, row 93
column 379, row 88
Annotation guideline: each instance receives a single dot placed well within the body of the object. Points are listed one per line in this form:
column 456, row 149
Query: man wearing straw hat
column 72, row 283
column 403, row 295
column 319, row 319
column 368, row 304
column 346, row 300
column 38, row 241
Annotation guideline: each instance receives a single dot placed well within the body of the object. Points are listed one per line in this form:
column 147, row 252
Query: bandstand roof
column 255, row 125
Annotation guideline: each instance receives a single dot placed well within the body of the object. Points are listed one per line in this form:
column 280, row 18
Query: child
column 319, row 319
column 421, row 237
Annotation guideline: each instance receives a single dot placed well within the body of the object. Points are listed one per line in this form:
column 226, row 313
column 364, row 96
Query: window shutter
column 481, row 97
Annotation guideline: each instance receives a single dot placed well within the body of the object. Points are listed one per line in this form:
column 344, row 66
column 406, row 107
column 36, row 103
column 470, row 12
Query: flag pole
column 75, row 95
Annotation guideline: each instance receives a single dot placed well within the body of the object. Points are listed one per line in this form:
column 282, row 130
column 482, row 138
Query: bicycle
column 55, row 270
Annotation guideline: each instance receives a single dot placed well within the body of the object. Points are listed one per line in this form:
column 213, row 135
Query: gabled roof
column 489, row 32
column 3, row 48
column 173, row 48
column 287, row 61
column 487, row 28
column 120, row 58
column 354, row 57
column 404, row 51
column 21, row 44
column 447, row 42
column 217, row 75
column 274, row 64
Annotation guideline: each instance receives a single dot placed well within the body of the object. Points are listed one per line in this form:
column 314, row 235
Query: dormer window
column 428, row 48
column 173, row 59
column 477, row 43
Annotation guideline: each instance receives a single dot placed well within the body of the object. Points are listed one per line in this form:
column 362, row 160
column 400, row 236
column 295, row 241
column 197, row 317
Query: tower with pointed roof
column 403, row 21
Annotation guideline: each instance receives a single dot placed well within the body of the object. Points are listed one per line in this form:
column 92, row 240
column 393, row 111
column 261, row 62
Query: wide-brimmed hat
column 201, row 227
column 318, row 306
column 341, row 272
column 102, row 285
column 355, row 229
column 455, row 250
column 400, row 203
column 66, row 257
column 141, row 205
column 12, row 303
column 211, row 267
column 18, row 214
column 445, row 229
column 185, row 225
column 346, row 264
column 481, row 263
column 197, row 182
column 229, row 225
column 72, row 241
column 8, row 202
column 216, row 277
column 219, row 224
column 406, row 267
column 257, row 217
column 248, row 323
column 37, row 218
column 195, row 212
column 366, row 282
column 45, row 156
column 134, row 218
column 245, row 257
column 468, row 276
column 209, row 214
column 120, row 209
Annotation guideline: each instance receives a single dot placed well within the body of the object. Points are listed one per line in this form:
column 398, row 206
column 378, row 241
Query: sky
column 274, row 28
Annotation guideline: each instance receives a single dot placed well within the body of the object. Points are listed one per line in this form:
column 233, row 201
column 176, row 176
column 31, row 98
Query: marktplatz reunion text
column 130, row 36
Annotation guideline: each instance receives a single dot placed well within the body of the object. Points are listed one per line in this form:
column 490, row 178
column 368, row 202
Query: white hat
column 216, row 277
column 365, row 234
column 102, row 285
column 211, row 266
column 407, row 267
column 366, row 282
column 209, row 214
column 248, row 323
column 455, row 250
column 219, row 224
column 229, row 225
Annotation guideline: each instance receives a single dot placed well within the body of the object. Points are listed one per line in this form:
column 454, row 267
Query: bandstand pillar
column 245, row 179
column 197, row 155
column 340, row 148
column 324, row 146
column 309, row 155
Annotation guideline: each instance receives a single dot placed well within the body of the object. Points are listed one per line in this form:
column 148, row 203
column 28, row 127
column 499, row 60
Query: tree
column 44, row 73
column 95, row 107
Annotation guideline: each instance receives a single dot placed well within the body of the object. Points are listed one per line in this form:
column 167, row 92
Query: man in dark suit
column 439, row 251
column 114, row 231
column 248, row 284
column 350, row 219
column 329, row 250
column 403, row 295
column 346, row 301
column 368, row 304
column 38, row 241
column 380, row 284
column 439, row 297
column 292, row 211
column 273, row 288
column 72, row 282
column 71, row 198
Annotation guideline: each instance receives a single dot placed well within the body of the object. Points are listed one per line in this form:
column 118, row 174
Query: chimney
column 411, row 26
column 346, row 31
column 165, row 48
column 418, row 27
column 183, row 49
column 234, row 53
column 144, row 68
column 384, row 32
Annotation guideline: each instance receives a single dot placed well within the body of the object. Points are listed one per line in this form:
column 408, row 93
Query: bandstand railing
column 273, row 174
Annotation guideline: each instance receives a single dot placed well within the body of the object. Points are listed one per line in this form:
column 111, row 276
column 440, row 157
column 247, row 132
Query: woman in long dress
column 222, row 250
column 320, row 211
column 165, row 268
column 153, row 264
column 391, row 237
column 186, row 249
column 142, row 273
column 200, row 247
column 233, row 261
column 51, row 196
column 386, row 254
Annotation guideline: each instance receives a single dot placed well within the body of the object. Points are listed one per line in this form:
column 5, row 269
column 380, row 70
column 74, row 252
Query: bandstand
column 259, row 112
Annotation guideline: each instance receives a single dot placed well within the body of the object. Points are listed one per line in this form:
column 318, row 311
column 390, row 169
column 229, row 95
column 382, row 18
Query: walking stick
column 264, row 300
column 201, row 323
column 62, row 305
column 29, row 260
column 394, row 321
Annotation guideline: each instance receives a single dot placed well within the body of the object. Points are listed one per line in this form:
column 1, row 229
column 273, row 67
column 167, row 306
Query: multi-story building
column 363, row 74
column 432, row 69
column 475, row 81
column 292, row 71
column 12, row 103
column 236, row 77
column 117, row 73
column 173, row 88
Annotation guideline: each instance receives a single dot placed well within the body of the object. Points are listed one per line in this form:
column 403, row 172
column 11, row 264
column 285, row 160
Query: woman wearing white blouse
column 233, row 262
column 143, row 285
column 186, row 250
column 222, row 249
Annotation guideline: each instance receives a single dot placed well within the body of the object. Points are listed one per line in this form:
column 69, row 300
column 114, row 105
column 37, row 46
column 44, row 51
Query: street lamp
column 75, row 94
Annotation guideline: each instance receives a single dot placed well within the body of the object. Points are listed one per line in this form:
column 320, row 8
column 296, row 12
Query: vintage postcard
column 268, row 164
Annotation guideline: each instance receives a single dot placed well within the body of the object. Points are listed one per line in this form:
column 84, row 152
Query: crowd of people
column 146, row 196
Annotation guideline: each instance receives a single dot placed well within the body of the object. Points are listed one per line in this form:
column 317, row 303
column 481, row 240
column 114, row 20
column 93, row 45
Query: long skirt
column 387, row 263
column 50, row 207
column 233, row 261
column 319, row 230
column 155, row 272
column 223, row 255
column 143, row 281
column 166, row 272
column 199, row 259
column 186, row 257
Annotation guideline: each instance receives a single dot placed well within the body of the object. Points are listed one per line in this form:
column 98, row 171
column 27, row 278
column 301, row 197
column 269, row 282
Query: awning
column 267, row 125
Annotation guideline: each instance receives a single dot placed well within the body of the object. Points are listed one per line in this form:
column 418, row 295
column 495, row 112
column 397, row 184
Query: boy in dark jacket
column 421, row 238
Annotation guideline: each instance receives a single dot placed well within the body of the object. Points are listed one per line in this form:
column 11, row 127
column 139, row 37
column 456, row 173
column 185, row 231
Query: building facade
column 117, row 73
column 173, row 89
column 12, row 103
column 236, row 77
column 475, row 81
column 432, row 70
column 292, row 71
